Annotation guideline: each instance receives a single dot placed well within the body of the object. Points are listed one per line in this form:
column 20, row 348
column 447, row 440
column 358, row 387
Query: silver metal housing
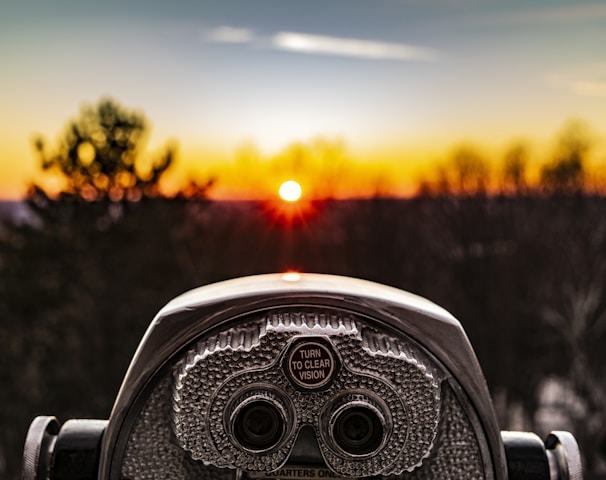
column 174, row 397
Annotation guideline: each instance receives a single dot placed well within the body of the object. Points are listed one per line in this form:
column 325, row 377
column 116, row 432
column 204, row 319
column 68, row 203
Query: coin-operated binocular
column 299, row 377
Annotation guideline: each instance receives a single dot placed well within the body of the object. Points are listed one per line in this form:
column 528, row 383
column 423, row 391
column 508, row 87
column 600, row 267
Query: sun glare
column 290, row 191
column 291, row 276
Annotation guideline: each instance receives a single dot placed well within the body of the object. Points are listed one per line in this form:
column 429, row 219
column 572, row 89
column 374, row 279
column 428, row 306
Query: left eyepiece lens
column 259, row 425
column 259, row 421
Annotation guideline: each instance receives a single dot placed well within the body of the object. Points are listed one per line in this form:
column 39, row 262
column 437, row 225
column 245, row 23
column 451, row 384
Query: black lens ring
column 258, row 425
column 259, row 419
column 356, row 425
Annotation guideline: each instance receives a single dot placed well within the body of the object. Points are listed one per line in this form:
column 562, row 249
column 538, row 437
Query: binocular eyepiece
column 299, row 376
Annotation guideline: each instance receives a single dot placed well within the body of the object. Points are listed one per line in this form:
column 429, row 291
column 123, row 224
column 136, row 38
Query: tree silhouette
column 99, row 156
column 515, row 166
column 566, row 172
column 466, row 172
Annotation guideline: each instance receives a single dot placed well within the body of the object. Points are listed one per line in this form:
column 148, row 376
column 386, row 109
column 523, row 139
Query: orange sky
column 325, row 167
column 399, row 83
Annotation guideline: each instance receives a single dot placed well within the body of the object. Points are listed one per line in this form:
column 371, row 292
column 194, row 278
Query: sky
column 398, row 82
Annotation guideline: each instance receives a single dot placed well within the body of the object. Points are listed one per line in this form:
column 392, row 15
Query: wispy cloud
column 226, row 34
column 297, row 42
column 584, row 80
column 351, row 47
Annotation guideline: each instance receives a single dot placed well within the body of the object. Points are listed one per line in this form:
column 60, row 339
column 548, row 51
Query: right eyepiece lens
column 358, row 430
column 259, row 425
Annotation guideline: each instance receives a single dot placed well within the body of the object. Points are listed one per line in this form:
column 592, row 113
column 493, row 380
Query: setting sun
column 290, row 191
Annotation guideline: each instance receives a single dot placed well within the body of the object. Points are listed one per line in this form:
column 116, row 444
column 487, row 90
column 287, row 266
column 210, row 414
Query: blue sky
column 387, row 75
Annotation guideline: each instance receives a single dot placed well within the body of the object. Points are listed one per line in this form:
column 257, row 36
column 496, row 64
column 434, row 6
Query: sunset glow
column 244, row 89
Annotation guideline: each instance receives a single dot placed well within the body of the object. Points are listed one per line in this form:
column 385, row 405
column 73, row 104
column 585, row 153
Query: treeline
column 573, row 162
column 100, row 155
column 568, row 168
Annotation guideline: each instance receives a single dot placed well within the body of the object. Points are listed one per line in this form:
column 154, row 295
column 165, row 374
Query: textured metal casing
column 192, row 315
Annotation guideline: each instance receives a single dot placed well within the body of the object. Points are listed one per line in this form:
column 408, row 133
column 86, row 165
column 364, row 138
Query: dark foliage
column 525, row 275
column 99, row 155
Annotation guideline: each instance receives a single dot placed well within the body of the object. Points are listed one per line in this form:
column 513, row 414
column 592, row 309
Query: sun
column 290, row 191
column 291, row 207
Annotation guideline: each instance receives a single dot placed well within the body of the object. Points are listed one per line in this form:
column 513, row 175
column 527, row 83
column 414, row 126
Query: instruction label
column 311, row 365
